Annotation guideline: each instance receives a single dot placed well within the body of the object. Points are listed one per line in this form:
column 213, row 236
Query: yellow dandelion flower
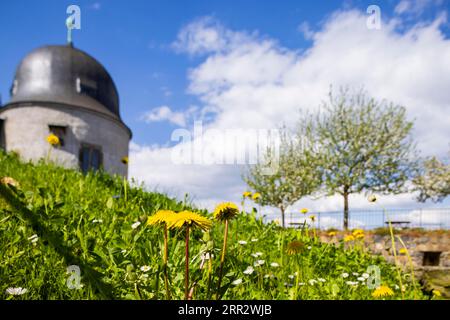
column 382, row 291
column 304, row 211
column 437, row 293
column 372, row 198
column 295, row 247
column 403, row 251
column 349, row 238
column 332, row 233
column 226, row 211
column 358, row 234
column 160, row 217
column 247, row 194
column 53, row 139
column 9, row 181
column 188, row 218
column 313, row 218
column 125, row 160
column 256, row 196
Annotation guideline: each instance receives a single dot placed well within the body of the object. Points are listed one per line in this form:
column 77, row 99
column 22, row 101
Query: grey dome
column 66, row 75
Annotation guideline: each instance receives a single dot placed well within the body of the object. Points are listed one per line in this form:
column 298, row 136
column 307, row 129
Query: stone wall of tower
column 27, row 127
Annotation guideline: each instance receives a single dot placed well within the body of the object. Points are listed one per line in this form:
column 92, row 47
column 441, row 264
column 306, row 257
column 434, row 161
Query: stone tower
column 64, row 91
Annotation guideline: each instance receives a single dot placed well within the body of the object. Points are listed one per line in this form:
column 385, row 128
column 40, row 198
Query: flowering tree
column 364, row 146
column 433, row 182
column 296, row 176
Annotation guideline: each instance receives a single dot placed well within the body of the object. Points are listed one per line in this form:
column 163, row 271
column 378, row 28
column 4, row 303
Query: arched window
column 60, row 132
column 91, row 158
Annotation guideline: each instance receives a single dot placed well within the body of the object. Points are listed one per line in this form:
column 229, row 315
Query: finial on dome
column 70, row 25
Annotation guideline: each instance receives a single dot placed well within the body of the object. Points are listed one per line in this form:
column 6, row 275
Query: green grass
column 86, row 220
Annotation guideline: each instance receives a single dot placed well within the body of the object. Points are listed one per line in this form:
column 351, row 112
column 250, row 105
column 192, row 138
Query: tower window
column 87, row 87
column 2, row 134
column 59, row 131
column 91, row 158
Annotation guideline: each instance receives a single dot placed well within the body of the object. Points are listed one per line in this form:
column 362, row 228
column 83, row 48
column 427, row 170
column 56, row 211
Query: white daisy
column 312, row 282
column 274, row 265
column 362, row 279
column 254, row 240
column 355, row 273
column 301, row 283
column 237, row 282
column 242, row 242
column 145, row 268
column 344, row 275
column 258, row 254
column 259, row 263
column 321, row 279
column 309, row 247
column 136, row 224
column 124, row 251
column 365, row 275
column 291, row 276
column 16, row 291
column 249, row 270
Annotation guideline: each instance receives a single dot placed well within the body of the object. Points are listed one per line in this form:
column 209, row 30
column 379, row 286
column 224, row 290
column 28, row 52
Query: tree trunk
column 345, row 208
column 282, row 216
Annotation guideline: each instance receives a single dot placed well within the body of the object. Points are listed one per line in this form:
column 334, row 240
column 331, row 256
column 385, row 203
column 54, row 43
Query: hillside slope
column 55, row 218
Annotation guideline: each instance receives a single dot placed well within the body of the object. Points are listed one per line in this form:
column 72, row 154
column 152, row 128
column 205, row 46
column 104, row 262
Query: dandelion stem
column 125, row 188
column 166, row 257
column 209, row 278
column 186, row 279
column 395, row 258
column 222, row 258
column 411, row 266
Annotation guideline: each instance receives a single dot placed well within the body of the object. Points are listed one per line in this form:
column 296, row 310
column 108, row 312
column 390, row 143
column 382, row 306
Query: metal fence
column 429, row 218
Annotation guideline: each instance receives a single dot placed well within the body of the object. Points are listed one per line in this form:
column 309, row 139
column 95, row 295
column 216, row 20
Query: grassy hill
column 55, row 218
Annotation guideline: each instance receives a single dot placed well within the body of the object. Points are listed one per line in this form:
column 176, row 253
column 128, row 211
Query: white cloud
column 305, row 29
column 207, row 35
column 164, row 113
column 415, row 7
column 402, row 7
column 250, row 81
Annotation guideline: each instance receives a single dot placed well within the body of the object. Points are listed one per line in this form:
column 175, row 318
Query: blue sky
column 151, row 50
column 133, row 40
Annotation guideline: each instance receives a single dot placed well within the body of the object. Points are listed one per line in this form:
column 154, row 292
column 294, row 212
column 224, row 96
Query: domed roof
column 66, row 75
